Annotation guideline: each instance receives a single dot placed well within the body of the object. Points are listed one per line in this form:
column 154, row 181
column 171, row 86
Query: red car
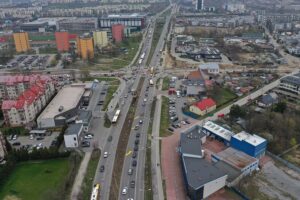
column 221, row 115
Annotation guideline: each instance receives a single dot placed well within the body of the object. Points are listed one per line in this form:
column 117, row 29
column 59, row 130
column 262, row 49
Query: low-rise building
column 252, row 145
column 203, row 107
column 62, row 108
column 79, row 24
column 218, row 132
column 84, row 117
column 211, row 68
column 72, row 135
column 268, row 100
column 289, row 87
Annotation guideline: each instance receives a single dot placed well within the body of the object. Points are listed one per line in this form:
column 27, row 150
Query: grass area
column 109, row 62
column 148, row 173
column 166, row 82
column 109, row 80
column 164, row 118
column 87, row 184
column 156, row 35
column 293, row 156
column 222, row 96
column 14, row 130
column 42, row 37
column 35, row 180
column 48, row 50
column 110, row 91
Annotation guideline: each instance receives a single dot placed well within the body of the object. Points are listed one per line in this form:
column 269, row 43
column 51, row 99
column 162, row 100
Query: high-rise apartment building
column 62, row 41
column 21, row 40
column 85, row 47
column 100, row 38
column 200, row 5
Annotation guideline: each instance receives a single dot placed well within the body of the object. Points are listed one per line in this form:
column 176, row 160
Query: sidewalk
column 80, row 175
column 157, row 185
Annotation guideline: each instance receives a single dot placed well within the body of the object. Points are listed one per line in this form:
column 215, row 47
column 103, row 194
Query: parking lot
column 28, row 62
column 33, row 141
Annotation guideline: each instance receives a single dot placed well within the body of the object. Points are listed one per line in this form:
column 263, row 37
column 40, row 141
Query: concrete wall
column 214, row 186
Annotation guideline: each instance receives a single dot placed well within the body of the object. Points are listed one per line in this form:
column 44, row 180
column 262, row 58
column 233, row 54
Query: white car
column 31, row 137
column 88, row 136
column 145, row 100
column 124, row 191
column 105, row 154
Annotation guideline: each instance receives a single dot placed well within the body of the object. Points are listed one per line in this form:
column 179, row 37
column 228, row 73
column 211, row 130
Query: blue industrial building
column 252, row 145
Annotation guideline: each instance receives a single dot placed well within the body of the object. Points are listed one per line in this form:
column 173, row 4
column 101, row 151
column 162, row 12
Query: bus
column 95, row 192
column 116, row 116
column 151, row 82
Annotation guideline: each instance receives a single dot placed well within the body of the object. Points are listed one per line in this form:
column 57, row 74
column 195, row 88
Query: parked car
column 170, row 129
column 124, row 191
column 85, row 144
column 102, row 168
column 16, row 143
column 39, row 138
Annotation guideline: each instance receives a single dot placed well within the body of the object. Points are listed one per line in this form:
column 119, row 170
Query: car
column 125, row 96
column 132, row 184
column 221, row 115
column 16, row 143
column 124, row 191
column 146, row 94
column 145, row 99
column 136, row 148
column 130, row 199
column 105, row 155
column 87, row 137
column 188, row 122
column 134, row 154
column 134, row 163
column 100, row 103
column 39, row 138
column 109, row 138
column 183, row 122
column 136, row 142
column 31, row 137
column 137, row 135
column 103, row 92
column 170, row 129
column 85, row 143
column 174, row 125
column 130, row 171
column 136, row 127
column 14, row 137
column 141, row 121
column 102, row 168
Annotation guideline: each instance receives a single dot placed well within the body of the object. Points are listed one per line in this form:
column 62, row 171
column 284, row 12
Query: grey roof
column 229, row 170
column 295, row 79
column 84, row 115
column 73, row 129
column 194, row 90
column 269, row 98
column 190, row 141
column 200, row 171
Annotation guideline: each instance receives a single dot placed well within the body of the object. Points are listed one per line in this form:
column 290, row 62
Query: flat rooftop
column 73, row 129
column 199, row 171
column 133, row 15
column 218, row 130
column 67, row 98
column 190, row 141
column 235, row 158
column 254, row 140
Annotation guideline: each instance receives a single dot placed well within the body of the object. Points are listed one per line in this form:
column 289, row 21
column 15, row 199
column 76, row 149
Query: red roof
column 205, row 104
column 11, row 80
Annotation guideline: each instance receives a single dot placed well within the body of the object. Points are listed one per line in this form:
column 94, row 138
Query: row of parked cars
column 175, row 123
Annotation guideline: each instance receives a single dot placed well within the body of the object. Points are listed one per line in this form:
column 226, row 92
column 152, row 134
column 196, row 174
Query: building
column 11, row 87
column 85, row 47
column 200, row 4
column 21, row 42
column 79, row 24
column 218, row 132
column 72, row 135
column 34, row 26
column 268, row 100
column 62, row 41
column 211, row 68
column 117, row 32
column 289, row 87
column 132, row 20
column 100, row 38
column 239, row 160
column 193, row 132
column 252, row 145
column 84, row 117
column 201, row 178
column 203, row 107
column 24, row 109
column 62, row 108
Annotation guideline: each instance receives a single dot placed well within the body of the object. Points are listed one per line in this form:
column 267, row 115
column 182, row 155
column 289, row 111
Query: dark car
column 85, row 143
column 136, row 148
column 16, row 144
column 132, row 184
column 134, row 154
column 109, row 138
column 136, row 142
column 137, row 135
column 170, row 129
column 186, row 121
column 174, row 126
column 134, row 163
column 39, row 138
column 102, row 168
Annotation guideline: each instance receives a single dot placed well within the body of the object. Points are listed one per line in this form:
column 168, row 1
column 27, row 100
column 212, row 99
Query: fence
column 287, row 163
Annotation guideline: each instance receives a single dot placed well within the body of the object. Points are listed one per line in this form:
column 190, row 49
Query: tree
column 293, row 142
column 236, row 111
column 58, row 56
column 280, row 107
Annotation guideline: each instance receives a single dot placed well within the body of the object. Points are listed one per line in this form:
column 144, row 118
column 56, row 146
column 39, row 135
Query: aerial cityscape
column 149, row 99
